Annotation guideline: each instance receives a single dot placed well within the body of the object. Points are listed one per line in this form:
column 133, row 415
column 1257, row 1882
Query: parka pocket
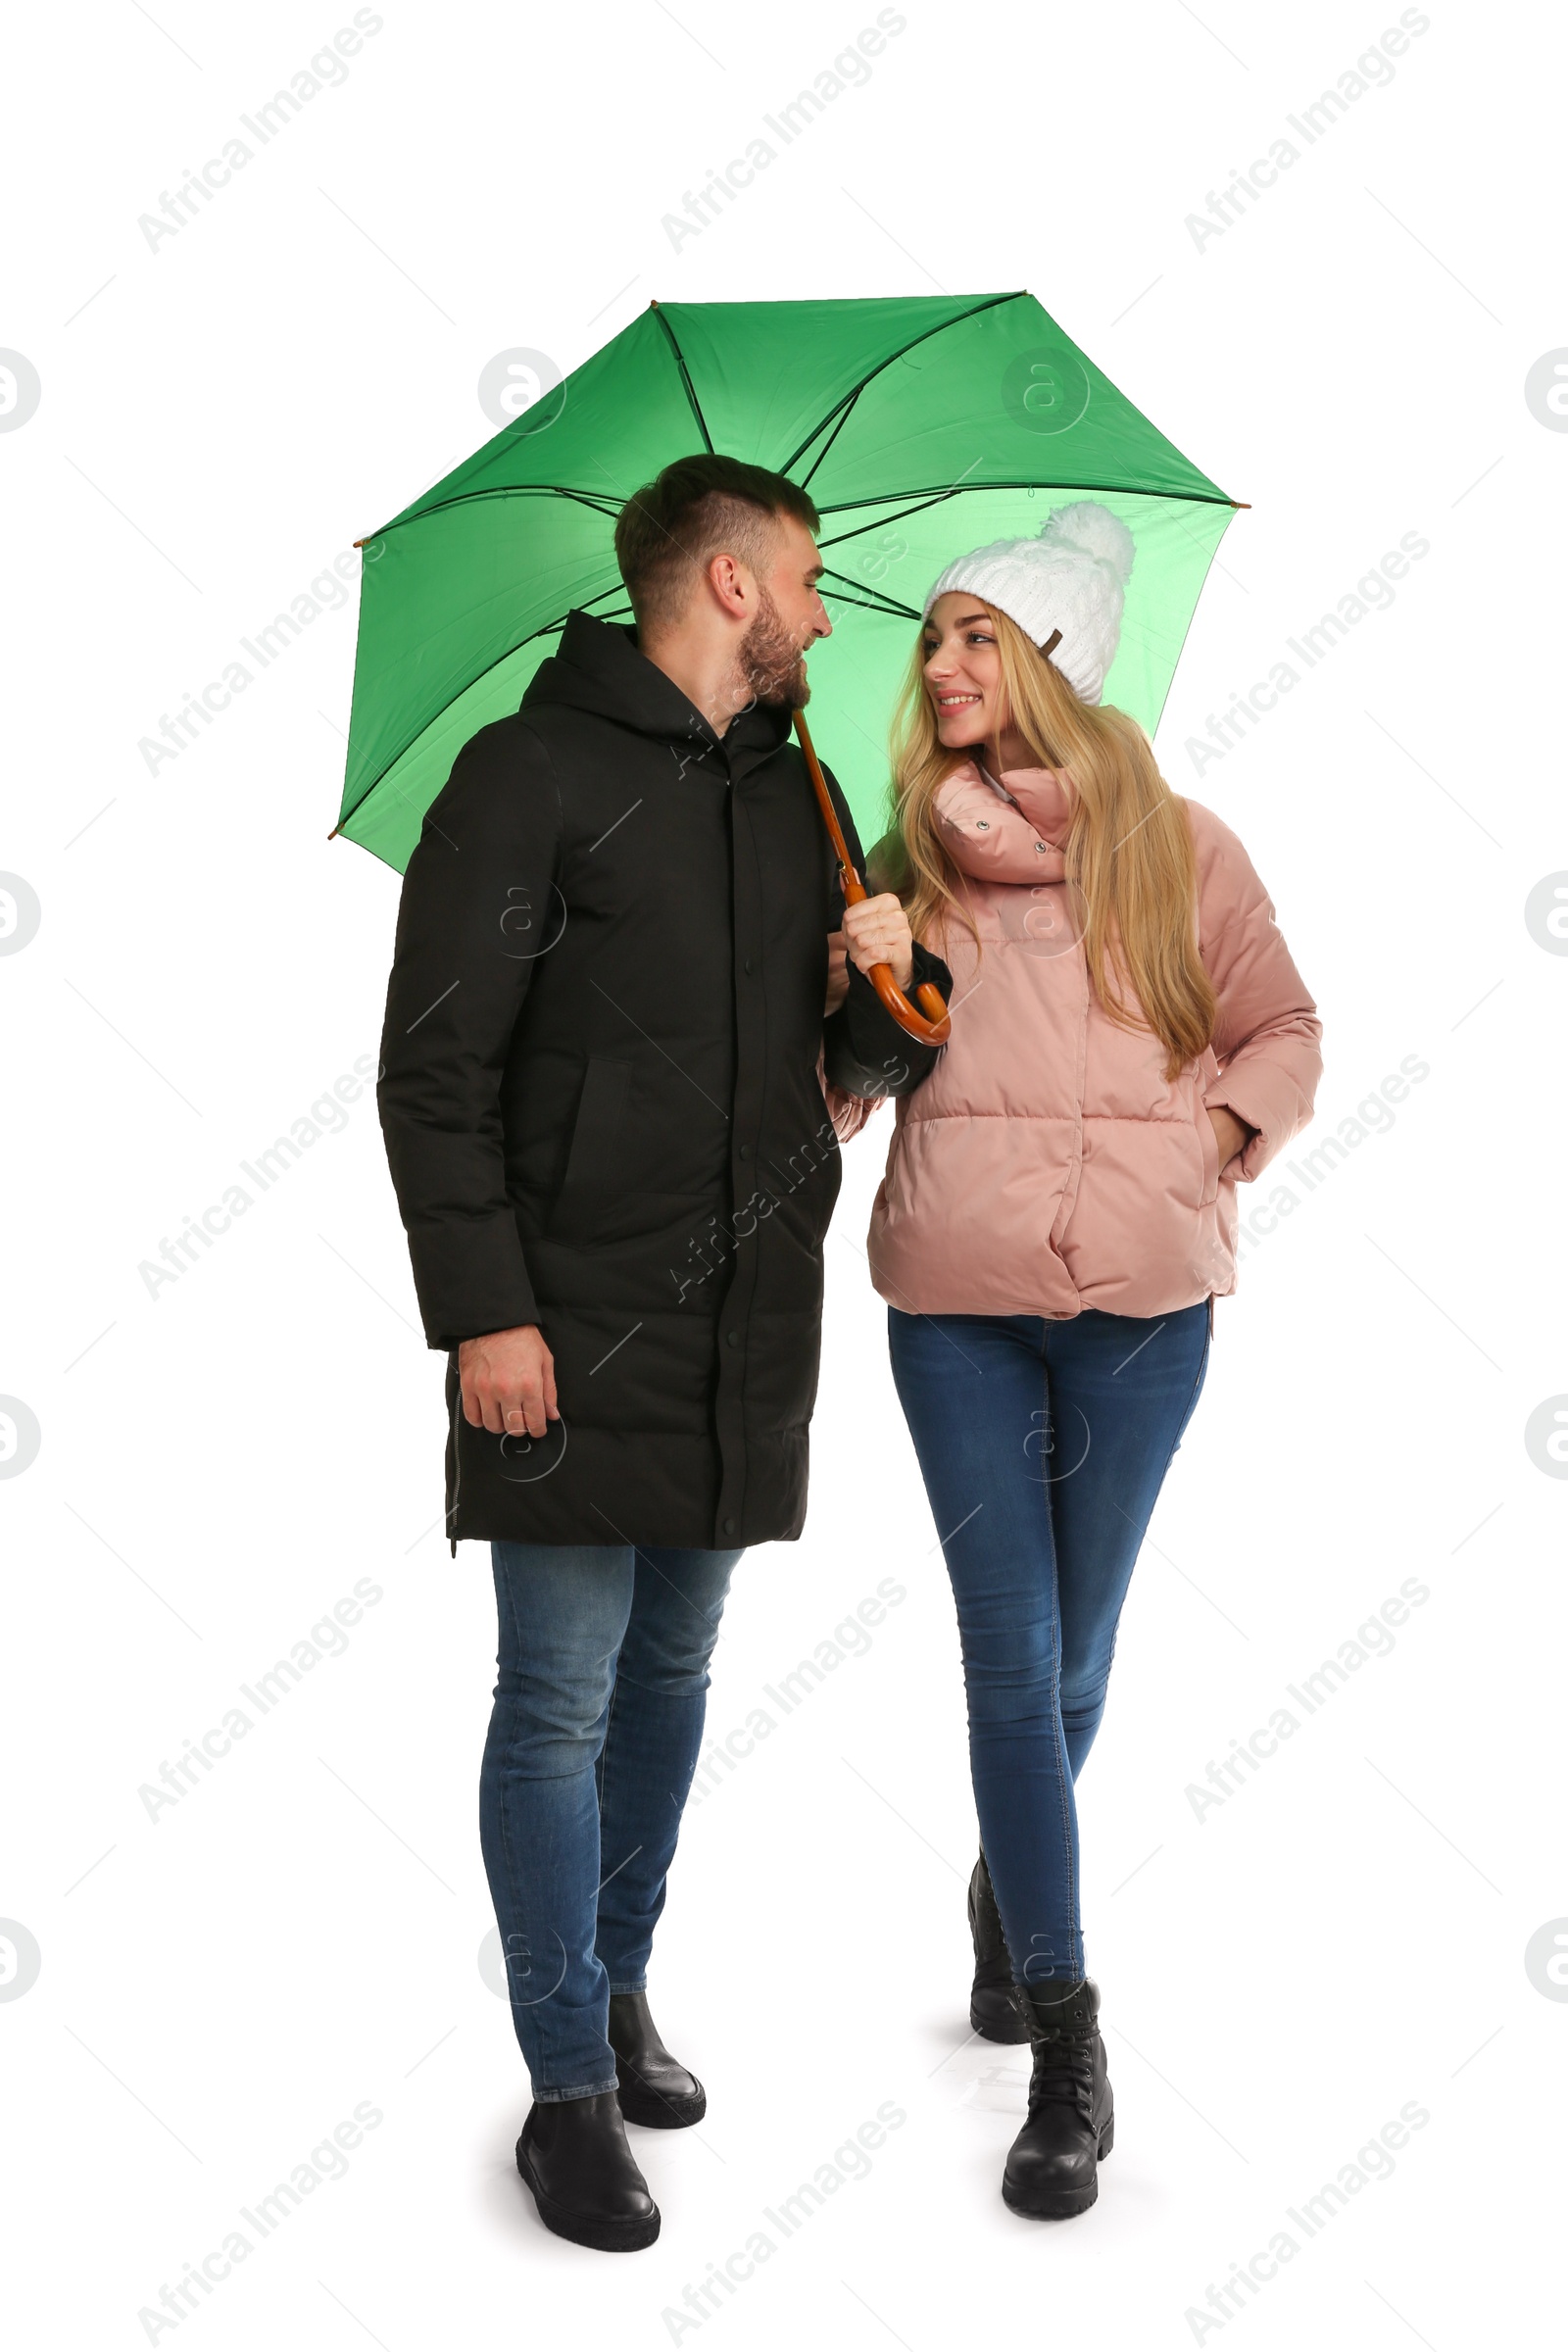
column 594, row 1160
column 1210, row 1143
column 1208, row 1075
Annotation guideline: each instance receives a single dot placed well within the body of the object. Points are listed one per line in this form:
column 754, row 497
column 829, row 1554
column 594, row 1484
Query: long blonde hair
column 1128, row 849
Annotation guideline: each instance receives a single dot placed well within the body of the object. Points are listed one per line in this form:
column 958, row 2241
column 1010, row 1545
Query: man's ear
column 724, row 575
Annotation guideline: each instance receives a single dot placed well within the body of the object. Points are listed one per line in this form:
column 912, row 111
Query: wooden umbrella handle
column 933, row 1026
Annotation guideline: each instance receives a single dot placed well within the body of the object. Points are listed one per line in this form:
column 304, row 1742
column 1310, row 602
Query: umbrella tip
column 1242, row 504
column 332, row 836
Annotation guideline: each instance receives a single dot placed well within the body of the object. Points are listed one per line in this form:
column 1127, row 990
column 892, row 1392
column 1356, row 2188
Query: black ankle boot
column 993, row 2011
column 1052, row 2165
column 655, row 2087
column 575, row 2157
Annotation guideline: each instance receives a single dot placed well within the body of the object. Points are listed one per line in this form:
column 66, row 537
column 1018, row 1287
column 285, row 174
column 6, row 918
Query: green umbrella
column 922, row 427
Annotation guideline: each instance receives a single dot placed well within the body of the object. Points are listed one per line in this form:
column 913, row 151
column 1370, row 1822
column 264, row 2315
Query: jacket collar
column 994, row 840
column 1038, row 790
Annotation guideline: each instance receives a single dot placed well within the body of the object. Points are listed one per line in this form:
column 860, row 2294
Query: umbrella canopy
column 921, row 429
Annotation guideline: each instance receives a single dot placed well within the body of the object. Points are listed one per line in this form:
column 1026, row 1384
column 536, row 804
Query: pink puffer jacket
column 1046, row 1165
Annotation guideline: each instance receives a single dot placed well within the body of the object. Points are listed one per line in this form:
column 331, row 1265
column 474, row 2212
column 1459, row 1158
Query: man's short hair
column 698, row 508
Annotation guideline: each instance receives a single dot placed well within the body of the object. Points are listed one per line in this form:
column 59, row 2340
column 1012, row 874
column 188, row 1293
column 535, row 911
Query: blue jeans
column 598, row 1704
column 1043, row 1446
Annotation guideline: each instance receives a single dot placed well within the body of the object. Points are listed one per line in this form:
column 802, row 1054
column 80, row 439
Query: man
column 616, row 1163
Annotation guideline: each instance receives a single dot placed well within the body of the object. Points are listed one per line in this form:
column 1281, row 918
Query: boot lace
column 1063, row 2072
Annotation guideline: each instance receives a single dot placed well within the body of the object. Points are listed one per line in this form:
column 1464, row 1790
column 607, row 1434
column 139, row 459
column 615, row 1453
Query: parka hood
column 599, row 668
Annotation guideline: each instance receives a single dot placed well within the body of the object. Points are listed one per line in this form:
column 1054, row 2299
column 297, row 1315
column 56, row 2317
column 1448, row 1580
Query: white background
column 1345, row 1934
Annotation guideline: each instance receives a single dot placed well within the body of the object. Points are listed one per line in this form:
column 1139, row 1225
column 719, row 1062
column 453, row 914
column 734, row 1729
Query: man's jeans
column 1043, row 1446
column 603, row 1657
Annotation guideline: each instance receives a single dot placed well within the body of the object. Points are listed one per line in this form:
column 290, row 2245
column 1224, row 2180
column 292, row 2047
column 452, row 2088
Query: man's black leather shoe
column 655, row 2087
column 573, row 2154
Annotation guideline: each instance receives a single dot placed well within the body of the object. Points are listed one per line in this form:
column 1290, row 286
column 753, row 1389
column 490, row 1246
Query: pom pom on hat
column 1092, row 530
column 1071, row 576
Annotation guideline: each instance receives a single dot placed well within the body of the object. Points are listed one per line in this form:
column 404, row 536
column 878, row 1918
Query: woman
column 1130, row 1040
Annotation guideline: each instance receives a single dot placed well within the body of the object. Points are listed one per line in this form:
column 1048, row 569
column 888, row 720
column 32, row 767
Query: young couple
column 628, row 1025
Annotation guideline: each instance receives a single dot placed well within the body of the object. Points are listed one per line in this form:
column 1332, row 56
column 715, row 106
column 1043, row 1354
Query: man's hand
column 508, row 1382
column 1231, row 1133
column 838, row 973
column 877, row 931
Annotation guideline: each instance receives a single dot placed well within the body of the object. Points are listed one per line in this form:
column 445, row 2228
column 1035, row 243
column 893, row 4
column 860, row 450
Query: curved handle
column 933, row 1026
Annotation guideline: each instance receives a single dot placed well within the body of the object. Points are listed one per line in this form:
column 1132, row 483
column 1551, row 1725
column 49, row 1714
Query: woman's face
column 964, row 672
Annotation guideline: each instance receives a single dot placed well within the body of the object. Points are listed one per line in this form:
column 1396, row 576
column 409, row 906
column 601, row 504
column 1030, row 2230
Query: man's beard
column 772, row 666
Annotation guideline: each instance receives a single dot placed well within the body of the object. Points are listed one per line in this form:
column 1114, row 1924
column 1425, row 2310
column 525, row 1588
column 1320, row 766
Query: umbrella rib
column 864, row 593
column 990, row 303
column 544, row 629
column 934, row 498
column 468, row 498
column 685, row 377
column 848, row 412
column 930, row 499
column 887, row 612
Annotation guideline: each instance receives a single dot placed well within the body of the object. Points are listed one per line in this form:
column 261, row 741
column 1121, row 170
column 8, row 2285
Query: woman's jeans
column 598, row 1720
column 1043, row 1446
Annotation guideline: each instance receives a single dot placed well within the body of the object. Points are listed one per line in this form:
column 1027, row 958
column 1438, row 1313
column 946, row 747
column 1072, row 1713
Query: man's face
column 791, row 616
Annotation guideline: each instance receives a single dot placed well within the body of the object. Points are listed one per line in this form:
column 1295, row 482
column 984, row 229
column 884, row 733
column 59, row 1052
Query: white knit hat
column 1069, row 578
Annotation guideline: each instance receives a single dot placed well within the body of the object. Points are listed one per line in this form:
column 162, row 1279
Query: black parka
column 600, row 1097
